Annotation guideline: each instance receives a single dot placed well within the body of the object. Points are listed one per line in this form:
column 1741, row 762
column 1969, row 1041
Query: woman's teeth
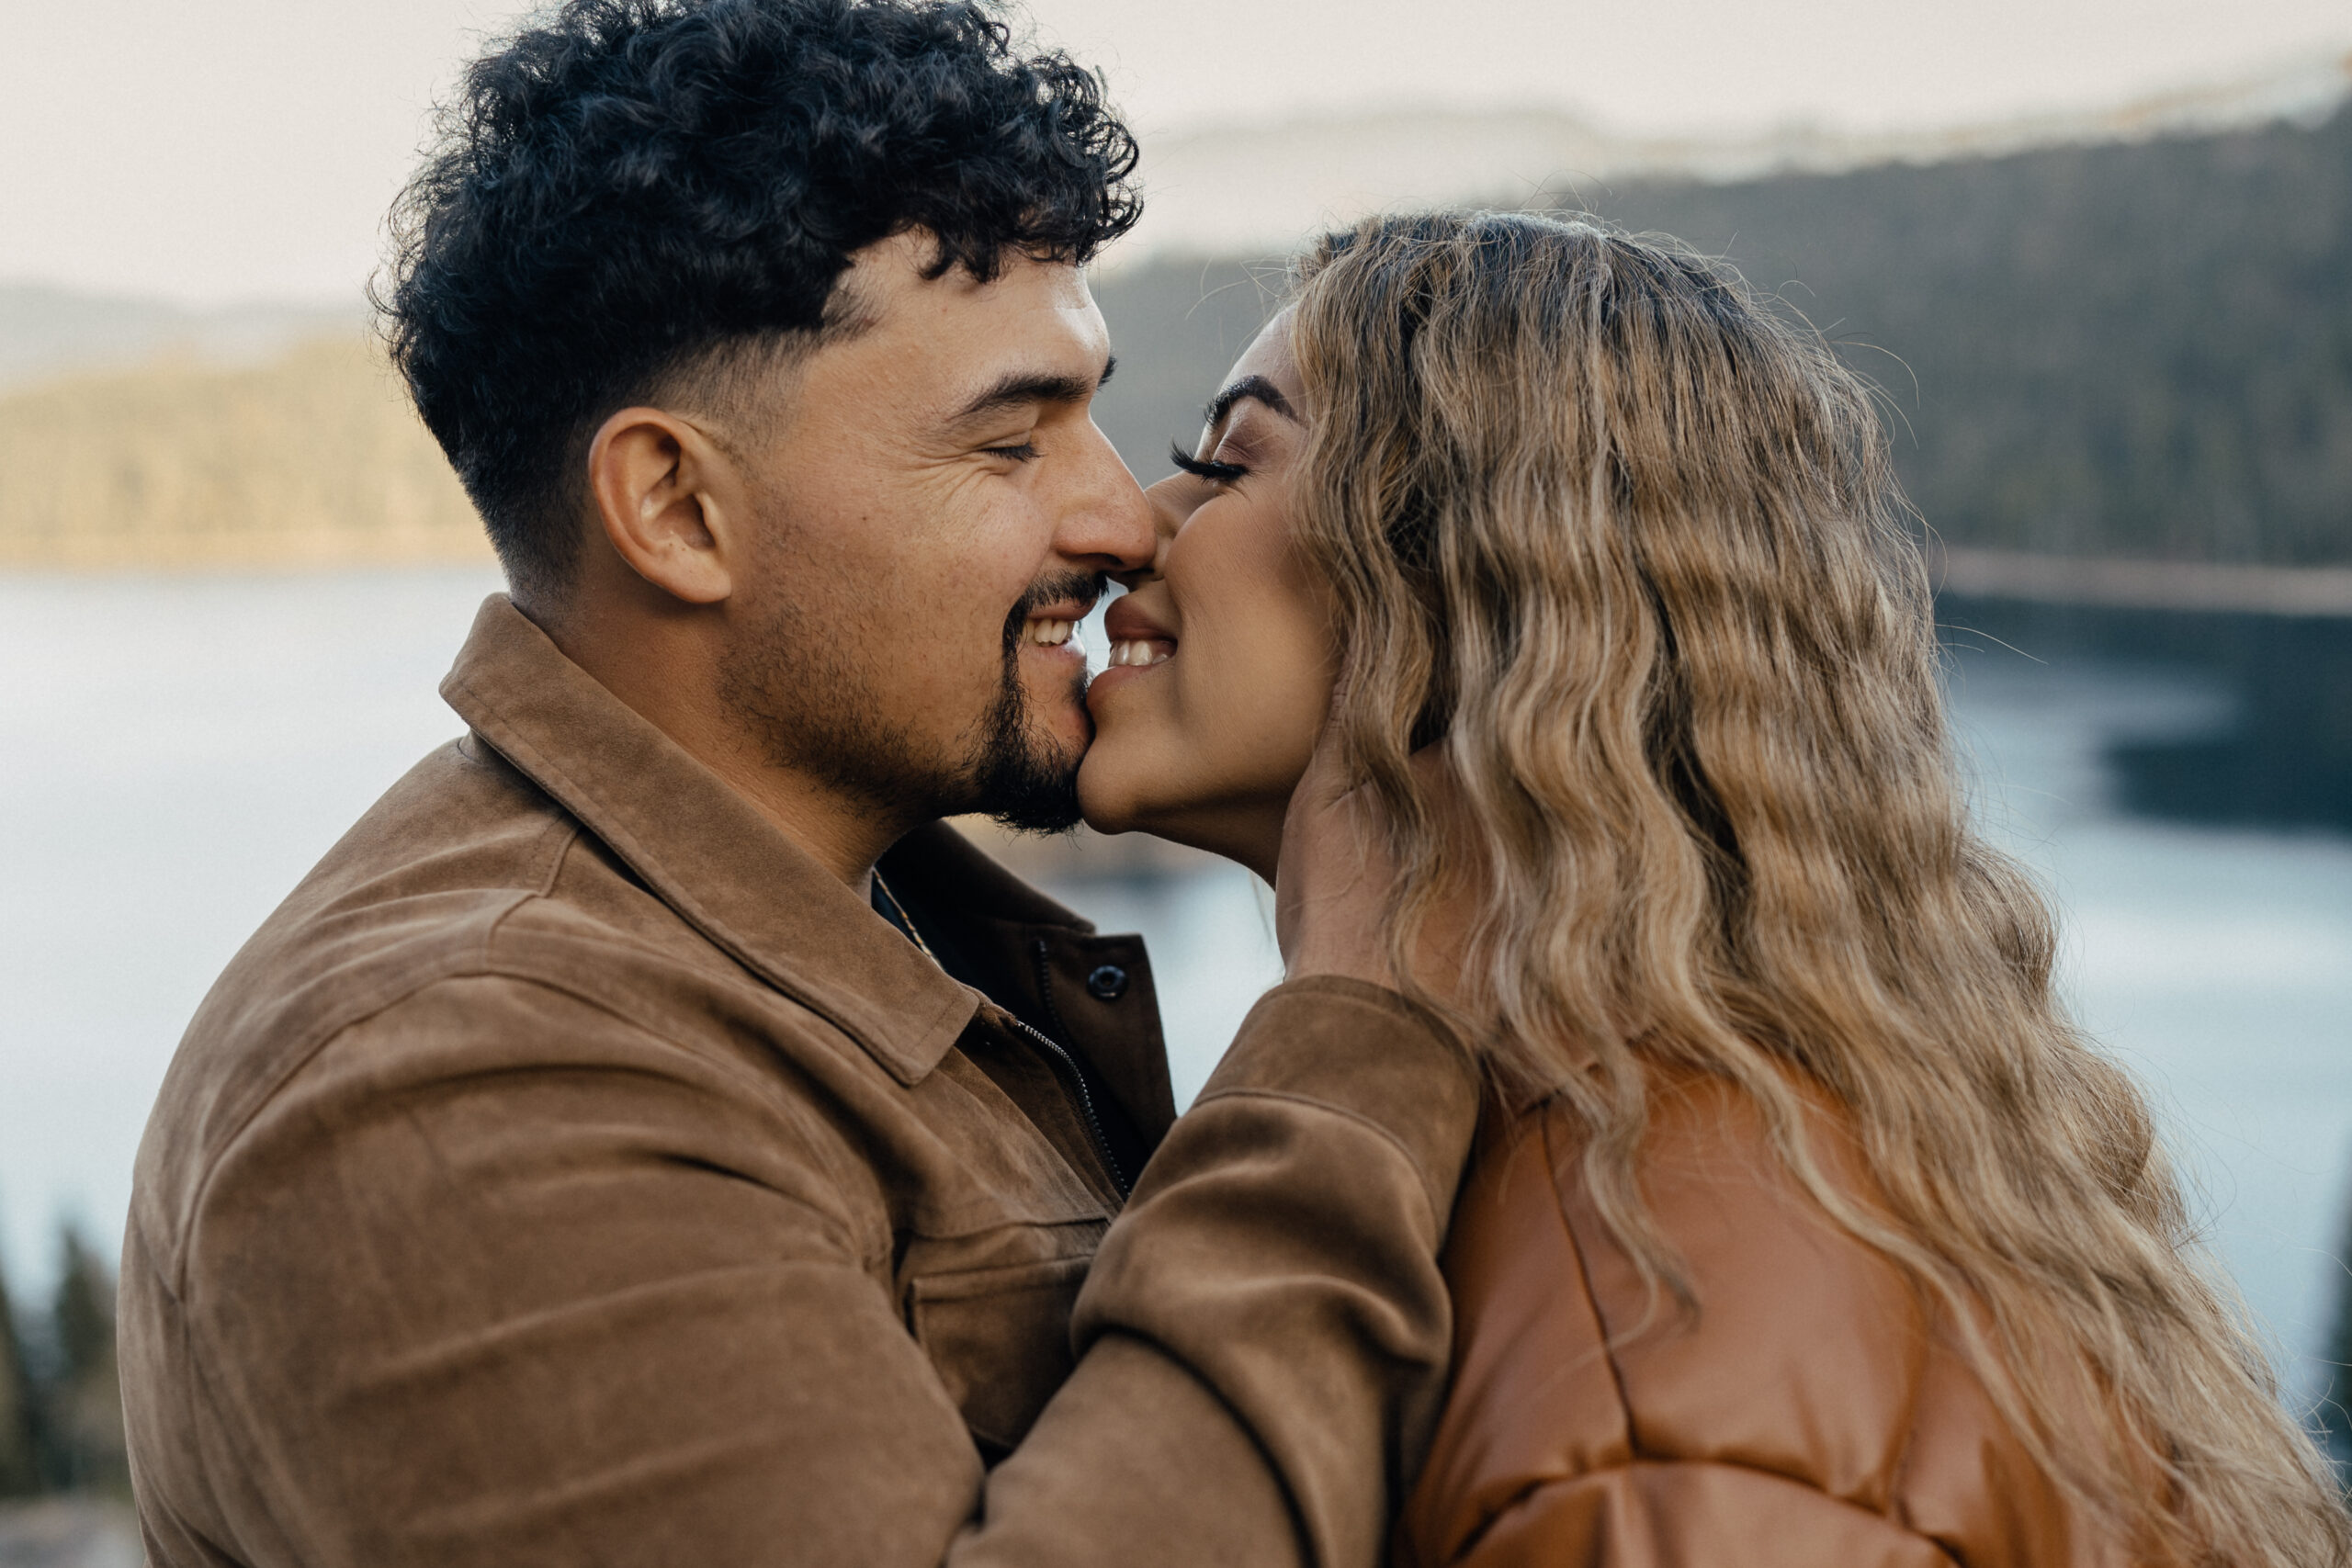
column 1139, row 652
column 1051, row 634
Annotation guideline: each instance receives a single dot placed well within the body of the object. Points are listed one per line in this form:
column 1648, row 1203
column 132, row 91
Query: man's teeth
column 1139, row 652
column 1052, row 634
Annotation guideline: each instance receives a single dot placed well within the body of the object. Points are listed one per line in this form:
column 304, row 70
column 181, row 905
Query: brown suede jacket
column 572, row 1172
column 1811, row 1414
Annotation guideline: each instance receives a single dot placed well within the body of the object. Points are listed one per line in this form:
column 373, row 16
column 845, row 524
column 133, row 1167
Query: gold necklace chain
column 906, row 921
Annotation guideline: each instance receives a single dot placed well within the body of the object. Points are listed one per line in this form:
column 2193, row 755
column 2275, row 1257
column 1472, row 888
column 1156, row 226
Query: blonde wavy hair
column 1624, row 541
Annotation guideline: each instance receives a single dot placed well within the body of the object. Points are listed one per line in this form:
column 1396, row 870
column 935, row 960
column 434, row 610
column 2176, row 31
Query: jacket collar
column 703, row 849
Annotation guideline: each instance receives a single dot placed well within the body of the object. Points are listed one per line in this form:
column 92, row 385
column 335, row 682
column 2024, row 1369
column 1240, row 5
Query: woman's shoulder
column 1809, row 1382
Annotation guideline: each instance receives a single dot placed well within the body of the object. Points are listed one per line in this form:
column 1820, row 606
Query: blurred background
column 2098, row 255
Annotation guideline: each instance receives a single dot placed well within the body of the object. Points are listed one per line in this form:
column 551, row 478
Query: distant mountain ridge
column 52, row 332
column 2131, row 349
column 47, row 331
column 1247, row 188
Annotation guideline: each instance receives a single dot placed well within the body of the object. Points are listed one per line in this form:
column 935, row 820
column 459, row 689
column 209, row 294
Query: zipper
column 1119, row 1178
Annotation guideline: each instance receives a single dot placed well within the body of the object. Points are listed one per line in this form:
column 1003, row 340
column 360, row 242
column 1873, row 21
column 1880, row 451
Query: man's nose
column 1108, row 524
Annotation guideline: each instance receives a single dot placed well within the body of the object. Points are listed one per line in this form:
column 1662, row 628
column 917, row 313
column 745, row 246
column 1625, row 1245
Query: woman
column 1805, row 1229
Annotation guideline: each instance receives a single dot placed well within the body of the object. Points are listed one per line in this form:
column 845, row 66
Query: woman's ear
column 658, row 483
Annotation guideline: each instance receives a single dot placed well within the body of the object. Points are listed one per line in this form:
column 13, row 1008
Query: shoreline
column 2126, row 583
column 2107, row 582
column 215, row 555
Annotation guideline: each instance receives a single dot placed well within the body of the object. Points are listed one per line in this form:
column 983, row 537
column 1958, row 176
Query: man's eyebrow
column 1256, row 386
column 1019, row 387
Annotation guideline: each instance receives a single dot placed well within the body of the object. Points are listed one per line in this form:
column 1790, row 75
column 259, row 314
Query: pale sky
column 247, row 148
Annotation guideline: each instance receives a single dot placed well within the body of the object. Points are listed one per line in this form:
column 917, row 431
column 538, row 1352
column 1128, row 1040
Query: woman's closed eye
column 1203, row 467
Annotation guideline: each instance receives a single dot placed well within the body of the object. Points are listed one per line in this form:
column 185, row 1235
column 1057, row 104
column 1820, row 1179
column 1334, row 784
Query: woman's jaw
column 1220, row 667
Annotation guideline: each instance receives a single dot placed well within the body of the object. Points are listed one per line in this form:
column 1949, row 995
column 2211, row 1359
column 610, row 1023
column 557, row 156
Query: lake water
column 175, row 753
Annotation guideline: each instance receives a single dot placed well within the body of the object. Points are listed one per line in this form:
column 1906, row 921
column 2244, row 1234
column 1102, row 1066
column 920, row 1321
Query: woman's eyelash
column 1201, row 467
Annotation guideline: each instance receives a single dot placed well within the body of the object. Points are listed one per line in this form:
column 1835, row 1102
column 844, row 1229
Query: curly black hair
column 624, row 187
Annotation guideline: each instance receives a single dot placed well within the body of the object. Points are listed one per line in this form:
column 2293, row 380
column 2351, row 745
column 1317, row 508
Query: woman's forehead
column 1269, row 355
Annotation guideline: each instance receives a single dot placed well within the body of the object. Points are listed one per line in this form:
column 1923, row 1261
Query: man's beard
column 815, row 711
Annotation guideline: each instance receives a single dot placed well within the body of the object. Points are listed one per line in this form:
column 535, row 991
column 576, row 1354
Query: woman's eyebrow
column 1256, row 386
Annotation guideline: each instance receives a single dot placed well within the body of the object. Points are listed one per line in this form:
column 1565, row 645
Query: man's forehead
column 926, row 347
column 894, row 294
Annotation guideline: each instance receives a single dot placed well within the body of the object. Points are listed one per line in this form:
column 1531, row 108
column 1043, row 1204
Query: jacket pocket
column 999, row 1340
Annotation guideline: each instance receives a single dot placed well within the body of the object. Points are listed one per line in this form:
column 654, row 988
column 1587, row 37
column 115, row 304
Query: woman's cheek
column 1257, row 720
column 1296, row 718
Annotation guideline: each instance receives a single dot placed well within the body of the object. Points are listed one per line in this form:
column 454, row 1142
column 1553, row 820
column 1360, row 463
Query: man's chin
column 1044, row 802
column 1026, row 774
column 1033, row 786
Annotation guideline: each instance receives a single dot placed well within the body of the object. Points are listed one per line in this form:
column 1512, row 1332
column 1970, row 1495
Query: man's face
column 935, row 509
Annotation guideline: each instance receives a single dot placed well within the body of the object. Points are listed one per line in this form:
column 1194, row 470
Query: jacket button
column 1107, row 983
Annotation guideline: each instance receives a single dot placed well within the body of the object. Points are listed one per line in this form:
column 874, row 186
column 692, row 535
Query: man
column 650, row 1136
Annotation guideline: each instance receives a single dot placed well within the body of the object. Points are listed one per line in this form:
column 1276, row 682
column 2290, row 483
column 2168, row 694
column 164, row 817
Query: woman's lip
column 1125, row 621
column 1111, row 679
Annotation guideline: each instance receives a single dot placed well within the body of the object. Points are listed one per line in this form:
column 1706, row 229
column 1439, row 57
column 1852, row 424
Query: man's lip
column 1063, row 610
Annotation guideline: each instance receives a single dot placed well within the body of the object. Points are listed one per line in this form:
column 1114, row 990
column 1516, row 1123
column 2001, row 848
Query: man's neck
column 843, row 834
column 830, row 829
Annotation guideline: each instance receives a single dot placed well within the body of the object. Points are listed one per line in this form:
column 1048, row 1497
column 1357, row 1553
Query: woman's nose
column 1170, row 504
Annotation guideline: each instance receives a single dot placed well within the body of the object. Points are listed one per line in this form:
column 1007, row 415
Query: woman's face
column 1221, row 655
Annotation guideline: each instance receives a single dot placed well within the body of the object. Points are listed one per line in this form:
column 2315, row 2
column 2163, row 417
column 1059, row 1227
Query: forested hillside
column 313, row 457
column 2139, row 350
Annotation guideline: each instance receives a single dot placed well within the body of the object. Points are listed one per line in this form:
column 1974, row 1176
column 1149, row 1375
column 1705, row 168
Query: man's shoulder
column 412, row 892
column 466, row 922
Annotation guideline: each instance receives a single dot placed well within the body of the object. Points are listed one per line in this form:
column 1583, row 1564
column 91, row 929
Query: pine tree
column 84, row 1311
column 19, row 1444
column 84, row 1408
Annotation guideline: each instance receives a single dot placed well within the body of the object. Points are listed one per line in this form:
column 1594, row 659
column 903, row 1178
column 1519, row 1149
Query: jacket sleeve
column 1692, row 1514
column 568, row 1319
column 1265, row 1331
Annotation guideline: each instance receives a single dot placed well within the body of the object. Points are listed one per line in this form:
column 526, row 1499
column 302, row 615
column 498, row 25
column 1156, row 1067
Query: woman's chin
column 1123, row 775
column 1104, row 797
column 1134, row 782
column 1114, row 797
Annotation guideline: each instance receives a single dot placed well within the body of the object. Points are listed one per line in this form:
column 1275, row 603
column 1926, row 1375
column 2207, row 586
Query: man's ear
column 655, row 480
